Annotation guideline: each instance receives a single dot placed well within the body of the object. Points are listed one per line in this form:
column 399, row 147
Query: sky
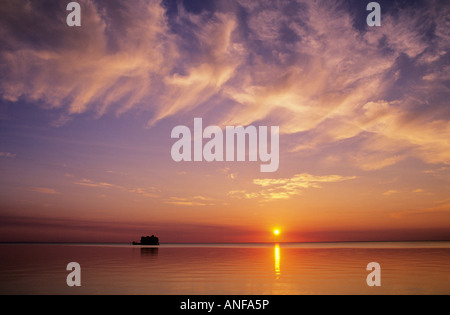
column 86, row 116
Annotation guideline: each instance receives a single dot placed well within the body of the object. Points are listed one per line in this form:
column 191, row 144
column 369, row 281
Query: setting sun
column 276, row 232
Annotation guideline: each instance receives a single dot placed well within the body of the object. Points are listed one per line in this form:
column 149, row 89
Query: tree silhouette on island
column 148, row 240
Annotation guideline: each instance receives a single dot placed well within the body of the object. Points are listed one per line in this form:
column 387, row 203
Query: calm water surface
column 247, row 269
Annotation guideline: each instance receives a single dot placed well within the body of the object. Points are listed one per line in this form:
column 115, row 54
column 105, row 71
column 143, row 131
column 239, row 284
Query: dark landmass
column 148, row 240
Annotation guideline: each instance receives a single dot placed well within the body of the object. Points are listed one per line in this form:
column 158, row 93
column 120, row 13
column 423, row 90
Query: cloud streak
column 149, row 192
column 43, row 190
column 286, row 188
column 7, row 155
column 196, row 201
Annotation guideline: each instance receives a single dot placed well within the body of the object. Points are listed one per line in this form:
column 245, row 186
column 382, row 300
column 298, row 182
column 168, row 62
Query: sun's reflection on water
column 277, row 259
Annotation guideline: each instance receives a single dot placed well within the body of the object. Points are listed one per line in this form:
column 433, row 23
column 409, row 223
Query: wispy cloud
column 285, row 188
column 7, row 155
column 150, row 192
column 62, row 120
column 440, row 207
column 43, row 190
column 217, row 61
column 196, row 201
column 91, row 183
column 391, row 192
column 112, row 58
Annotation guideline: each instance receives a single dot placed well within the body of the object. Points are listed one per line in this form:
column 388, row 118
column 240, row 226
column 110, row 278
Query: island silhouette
column 148, row 240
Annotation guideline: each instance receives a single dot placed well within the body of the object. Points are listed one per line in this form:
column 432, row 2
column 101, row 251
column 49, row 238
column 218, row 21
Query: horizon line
column 219, row 243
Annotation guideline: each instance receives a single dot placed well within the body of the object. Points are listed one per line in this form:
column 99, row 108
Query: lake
column 226, row 269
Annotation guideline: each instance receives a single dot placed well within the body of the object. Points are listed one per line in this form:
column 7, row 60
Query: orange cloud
column 391, row 192
column 285, row 188
column 43, row 190
column 196, row 201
